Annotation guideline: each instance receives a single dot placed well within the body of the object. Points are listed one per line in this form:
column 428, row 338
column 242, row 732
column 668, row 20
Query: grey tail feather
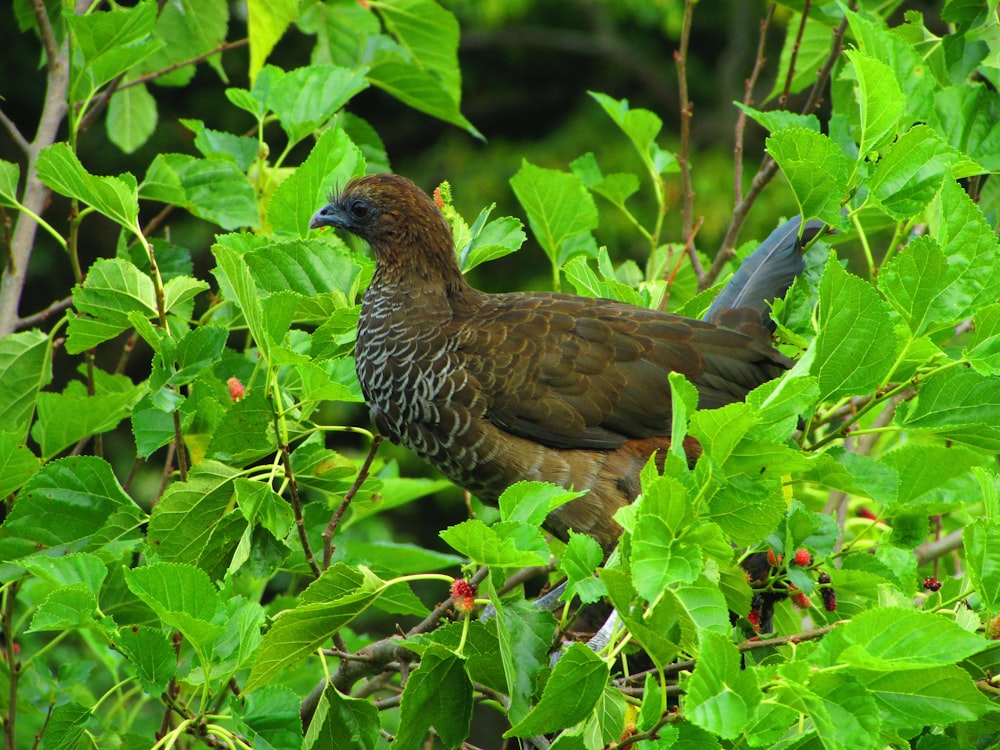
column 768, row 272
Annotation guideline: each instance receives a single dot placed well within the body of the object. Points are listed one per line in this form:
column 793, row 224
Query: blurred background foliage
column 527, row 66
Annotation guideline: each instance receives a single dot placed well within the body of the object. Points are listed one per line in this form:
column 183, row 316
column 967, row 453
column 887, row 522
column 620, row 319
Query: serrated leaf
column 305, row 98
column 981, row 539
column 213, row 189
column 182, row 522
column 914, row 281
column 10, row 175
column 17, row 463
column 907, row 178
column 115, row 197
column 343, row 722
column 25, row 367
column 940, row 696
column 880, row 99
column 524, row 636
column 721, row 697
column 78, row 496
column 438, row 694
column 559, row 208
column 856, row 345
column 64, row 418
column 333, row 160
column 182, row 596
column 271, row 716
column 887, row 639
column 572, row 690
column 817, row 170
column 150, row 653
column 960, row 405
column 66, row 608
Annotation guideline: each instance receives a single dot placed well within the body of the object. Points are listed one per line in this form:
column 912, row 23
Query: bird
column 493, row 389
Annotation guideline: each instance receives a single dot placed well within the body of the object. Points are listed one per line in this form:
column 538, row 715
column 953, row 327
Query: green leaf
column 971, row 245
column 310, row 268
column 66, row 725
column 559, row 208
column 439, row 694
column 507, row 544
column 183, row 597
column 817, row 170
column 115, row 197
column 10, row 175
column 182, row 523
column 343, row 722
column 721, row 697
column 64, row 418
column 25, row 367
column 659, row 559
column 780, row 119
column 213, row 189
column 131, row 117
column 531, row 502
column 424, row 72
column 271, row 717
column 889, row 639
column 246, row 432
column 66, row 608
column 78, row 568
column 238, row 286
column 880, row 99
column 939, row 696
column 960, row 405
column 17, row 463
column 150, row 653
column 524, row 635
column 914, row 281
column 334, row 160
column 305, row 98
column 188, row 30
column 923, row 470
column 983, row 350
column 965, row 116
column 298, row 632
column 77, row 496
column 267, row 21
column 907, row 178
column 573, row 689
column 856, row 345
column 242, row 150
column 582, row 556
column 490, row 240
column 981, row 539
column 110, row 43
column 641, row 126
column 804, row 56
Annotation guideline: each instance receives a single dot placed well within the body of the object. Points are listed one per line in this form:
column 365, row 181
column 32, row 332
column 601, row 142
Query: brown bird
column 496, row 388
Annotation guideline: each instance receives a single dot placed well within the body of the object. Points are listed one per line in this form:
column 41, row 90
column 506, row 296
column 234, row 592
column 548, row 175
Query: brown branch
column 296, row 500
column 48, row 36
column 937, row 548
column 686, row 112
column 43, row 315
column 20, row 140
column 793, row 58
column 13, row 664
column 224, row 47
column 331, row 527
column 741, row 117
column 768, row 169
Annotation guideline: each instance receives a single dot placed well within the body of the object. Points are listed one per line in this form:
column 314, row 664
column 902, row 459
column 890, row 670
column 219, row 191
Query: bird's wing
column 572, row 372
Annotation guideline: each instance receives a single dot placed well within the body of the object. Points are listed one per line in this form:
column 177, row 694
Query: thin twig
column 741, row 117
column 40, row 317
column 20, row 140
column 686, row 112
column 793, row 58
column 13, row 664
column 293, row 488
column 47, row 35
column 224, row 47
column 769, row 168
column 331, row 527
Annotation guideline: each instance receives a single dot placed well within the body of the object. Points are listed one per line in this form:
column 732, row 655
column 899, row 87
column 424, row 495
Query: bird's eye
column 360, row 210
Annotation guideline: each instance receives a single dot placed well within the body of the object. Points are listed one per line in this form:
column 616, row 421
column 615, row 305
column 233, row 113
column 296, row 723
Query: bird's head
column 400, row 222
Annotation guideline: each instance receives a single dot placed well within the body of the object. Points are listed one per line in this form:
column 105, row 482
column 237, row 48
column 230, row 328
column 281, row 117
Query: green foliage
column 253, row 597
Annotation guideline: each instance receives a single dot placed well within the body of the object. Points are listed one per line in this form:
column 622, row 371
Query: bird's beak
column 328, row 216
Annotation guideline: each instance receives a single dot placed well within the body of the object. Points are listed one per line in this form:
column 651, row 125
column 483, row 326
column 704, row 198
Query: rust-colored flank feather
column 496, row 388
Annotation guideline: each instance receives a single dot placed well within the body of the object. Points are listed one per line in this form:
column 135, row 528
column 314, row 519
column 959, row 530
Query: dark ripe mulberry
column 932, row 584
